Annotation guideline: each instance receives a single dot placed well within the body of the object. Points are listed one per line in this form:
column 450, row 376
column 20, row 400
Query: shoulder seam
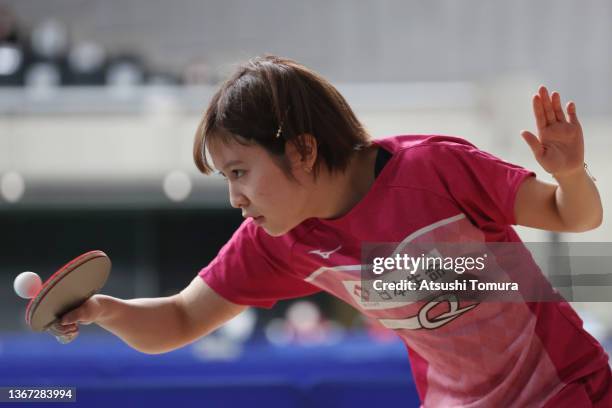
column 437, row 145
column 426, row 144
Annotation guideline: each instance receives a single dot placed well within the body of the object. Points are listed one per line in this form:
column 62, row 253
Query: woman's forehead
column 224, row 152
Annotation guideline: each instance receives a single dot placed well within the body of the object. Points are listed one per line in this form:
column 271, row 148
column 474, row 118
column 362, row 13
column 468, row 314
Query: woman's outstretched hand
column 559, row 145
column 66, row 329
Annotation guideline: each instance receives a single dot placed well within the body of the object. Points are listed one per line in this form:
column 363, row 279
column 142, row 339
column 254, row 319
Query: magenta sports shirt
column 441, row 189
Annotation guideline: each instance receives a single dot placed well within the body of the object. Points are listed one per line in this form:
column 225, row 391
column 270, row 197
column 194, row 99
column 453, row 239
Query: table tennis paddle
column 67, row 289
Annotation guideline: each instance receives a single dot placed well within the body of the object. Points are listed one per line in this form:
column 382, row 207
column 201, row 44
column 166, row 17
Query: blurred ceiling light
column 50, row 39
column 12, row 186
column 43, row 76
column 124, row 74
column 86, row 57
column 277, row 333
column 177, row 185
column 10, row 59
column 304, row 315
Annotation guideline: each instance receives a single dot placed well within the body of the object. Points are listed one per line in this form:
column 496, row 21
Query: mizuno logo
column 324, row 254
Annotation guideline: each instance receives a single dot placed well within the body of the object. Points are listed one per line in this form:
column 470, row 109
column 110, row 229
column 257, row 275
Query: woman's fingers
column 64, row 333
column 83, row 314
column 548, row 109
column 556, row 105
column 547, row 105
column 59, row 329
column 538, row 111
column 533, row 142
column 571, row 113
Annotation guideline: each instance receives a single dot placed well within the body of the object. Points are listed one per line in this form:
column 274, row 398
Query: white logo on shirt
column 324, row 254
column 423, row 321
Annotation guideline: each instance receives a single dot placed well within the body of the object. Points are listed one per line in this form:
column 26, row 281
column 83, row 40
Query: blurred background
column 99, row 102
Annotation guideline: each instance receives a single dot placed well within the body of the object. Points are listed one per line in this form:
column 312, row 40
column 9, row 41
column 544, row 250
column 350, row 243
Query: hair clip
column 280, row 126
column 280, row 130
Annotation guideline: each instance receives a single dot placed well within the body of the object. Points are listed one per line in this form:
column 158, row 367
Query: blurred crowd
column 46, row 56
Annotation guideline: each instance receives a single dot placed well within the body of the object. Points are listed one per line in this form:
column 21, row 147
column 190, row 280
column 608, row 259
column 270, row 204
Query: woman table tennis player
column 313, row 186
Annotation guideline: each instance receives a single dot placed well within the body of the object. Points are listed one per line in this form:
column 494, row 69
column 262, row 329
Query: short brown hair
column 270, row 96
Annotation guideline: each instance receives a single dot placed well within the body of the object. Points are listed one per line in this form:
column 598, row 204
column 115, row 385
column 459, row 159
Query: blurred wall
column 564, row 43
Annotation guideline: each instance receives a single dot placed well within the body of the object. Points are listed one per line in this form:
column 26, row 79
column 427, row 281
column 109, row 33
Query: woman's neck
column 338, row 193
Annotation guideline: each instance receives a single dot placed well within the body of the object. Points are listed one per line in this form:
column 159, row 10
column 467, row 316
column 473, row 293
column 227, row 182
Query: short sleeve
column 483, row 185
column 254, row 269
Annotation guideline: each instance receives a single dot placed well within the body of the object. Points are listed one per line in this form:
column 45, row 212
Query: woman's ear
column 302, row 153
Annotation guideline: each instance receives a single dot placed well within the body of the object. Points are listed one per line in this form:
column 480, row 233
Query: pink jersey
column 433, row 189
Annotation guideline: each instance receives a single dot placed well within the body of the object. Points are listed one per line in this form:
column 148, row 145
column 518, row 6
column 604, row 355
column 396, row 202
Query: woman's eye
column 233, row 174
column 237, row 173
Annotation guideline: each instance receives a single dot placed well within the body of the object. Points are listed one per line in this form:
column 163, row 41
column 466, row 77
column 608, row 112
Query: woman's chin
column 274, row 231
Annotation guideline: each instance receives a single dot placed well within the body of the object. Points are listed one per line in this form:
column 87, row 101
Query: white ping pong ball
column 27, row 284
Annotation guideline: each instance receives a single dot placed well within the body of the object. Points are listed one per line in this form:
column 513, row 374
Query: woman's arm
column 574, row 204
column 155, row 325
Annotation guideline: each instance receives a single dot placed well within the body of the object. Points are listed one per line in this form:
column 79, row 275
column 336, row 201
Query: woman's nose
column 237, row 199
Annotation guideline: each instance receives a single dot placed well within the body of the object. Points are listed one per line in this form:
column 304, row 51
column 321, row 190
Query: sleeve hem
column 221, row 291
column 521, row 178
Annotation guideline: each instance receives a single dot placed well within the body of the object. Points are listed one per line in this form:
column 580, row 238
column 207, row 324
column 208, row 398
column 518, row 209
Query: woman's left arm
column 574, row 204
